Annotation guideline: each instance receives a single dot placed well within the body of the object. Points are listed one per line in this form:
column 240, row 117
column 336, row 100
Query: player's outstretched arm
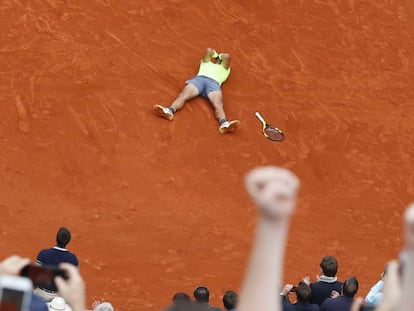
column 209, row 54
column 274, row 191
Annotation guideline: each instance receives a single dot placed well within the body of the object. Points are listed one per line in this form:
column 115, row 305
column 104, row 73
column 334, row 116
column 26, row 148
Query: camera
column 43, row 276
column 15, row 293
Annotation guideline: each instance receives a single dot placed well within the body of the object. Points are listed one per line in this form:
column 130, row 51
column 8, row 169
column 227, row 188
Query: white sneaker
column 163, row 112
column 229, row 126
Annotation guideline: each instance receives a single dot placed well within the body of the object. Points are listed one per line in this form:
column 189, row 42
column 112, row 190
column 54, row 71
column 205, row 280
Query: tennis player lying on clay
column 214, row 70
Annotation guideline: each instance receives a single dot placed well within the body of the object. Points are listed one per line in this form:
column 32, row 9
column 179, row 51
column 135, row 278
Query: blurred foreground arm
column 274, row 191
column 407, row 297
column 72, row 289
column 399, row 280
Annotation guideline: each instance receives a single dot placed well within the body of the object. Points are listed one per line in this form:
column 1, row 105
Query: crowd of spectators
column 274, row 192
column 201, row 301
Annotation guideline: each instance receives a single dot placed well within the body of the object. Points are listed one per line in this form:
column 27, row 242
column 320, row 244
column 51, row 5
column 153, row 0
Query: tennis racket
column 269, row 131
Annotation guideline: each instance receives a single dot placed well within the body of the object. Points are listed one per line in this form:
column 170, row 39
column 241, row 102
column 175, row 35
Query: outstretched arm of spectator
column 407, row 297
column 399, row 280
column 273, row 190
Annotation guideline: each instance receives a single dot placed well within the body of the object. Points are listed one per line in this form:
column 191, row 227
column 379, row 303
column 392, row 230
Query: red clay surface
column 158, row 207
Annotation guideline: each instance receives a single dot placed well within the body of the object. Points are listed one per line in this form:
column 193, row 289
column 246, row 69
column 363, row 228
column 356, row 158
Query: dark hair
column 303, row 292
column 201, row 294
column 329, row 266
column 230, row 299
column 63, row 237
column 350, row 287
column 181, row 297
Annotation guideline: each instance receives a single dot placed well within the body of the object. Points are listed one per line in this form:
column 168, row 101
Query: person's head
column 63, row 237
column 350, row 287
column 201, row 294
column 230, row 300
column 329, row 266
column 303, row 292
column 104, row 306
column 181, row 298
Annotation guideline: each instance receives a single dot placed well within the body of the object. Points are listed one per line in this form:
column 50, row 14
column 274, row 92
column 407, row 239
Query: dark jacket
column 299, row 306
column 340, row 303
column 322, row 290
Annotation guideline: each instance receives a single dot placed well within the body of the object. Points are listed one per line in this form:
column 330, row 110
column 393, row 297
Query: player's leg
column 189, row 92
column 216, row 99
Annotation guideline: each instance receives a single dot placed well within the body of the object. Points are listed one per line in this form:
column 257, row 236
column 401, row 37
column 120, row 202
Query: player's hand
column 273, row 190
column 306, row 280
column 212, row 52
column 72, row 289
column 13, row 265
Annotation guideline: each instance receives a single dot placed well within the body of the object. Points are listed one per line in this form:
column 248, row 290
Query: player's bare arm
column 210, row 53
column 225, row 60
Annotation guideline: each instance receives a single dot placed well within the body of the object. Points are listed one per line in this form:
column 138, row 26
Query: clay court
column 157, row 207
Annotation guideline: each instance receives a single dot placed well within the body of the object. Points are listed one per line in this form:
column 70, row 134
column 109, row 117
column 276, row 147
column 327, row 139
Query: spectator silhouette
column 343, row 302
column 327, row 282
column 54, row 257
column 202, row 297
column 230, row 300
column 303, row 294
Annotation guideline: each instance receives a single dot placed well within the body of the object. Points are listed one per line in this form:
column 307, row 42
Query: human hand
column 334, row 294
column 212, row 52
column 73, row 289
column 95, row 304
column 13, row 265
column 273, row 190
column 286, row 289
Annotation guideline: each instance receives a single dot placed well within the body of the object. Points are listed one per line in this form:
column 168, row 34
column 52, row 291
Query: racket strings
column 274, row 133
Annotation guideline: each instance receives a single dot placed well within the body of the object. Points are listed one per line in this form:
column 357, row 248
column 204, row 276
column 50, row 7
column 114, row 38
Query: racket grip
column 259, row 116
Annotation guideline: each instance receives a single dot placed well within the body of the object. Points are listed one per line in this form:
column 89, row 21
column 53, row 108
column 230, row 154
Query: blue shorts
column 204, row 85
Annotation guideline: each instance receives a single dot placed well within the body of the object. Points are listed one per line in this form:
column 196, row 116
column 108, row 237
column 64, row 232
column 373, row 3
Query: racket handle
column 259, row 116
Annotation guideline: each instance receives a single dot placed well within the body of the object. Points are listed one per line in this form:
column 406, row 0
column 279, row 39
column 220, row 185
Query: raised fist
column 273, row 190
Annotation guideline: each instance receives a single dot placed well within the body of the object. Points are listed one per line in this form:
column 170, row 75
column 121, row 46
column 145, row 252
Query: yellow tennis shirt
column 214, row 71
